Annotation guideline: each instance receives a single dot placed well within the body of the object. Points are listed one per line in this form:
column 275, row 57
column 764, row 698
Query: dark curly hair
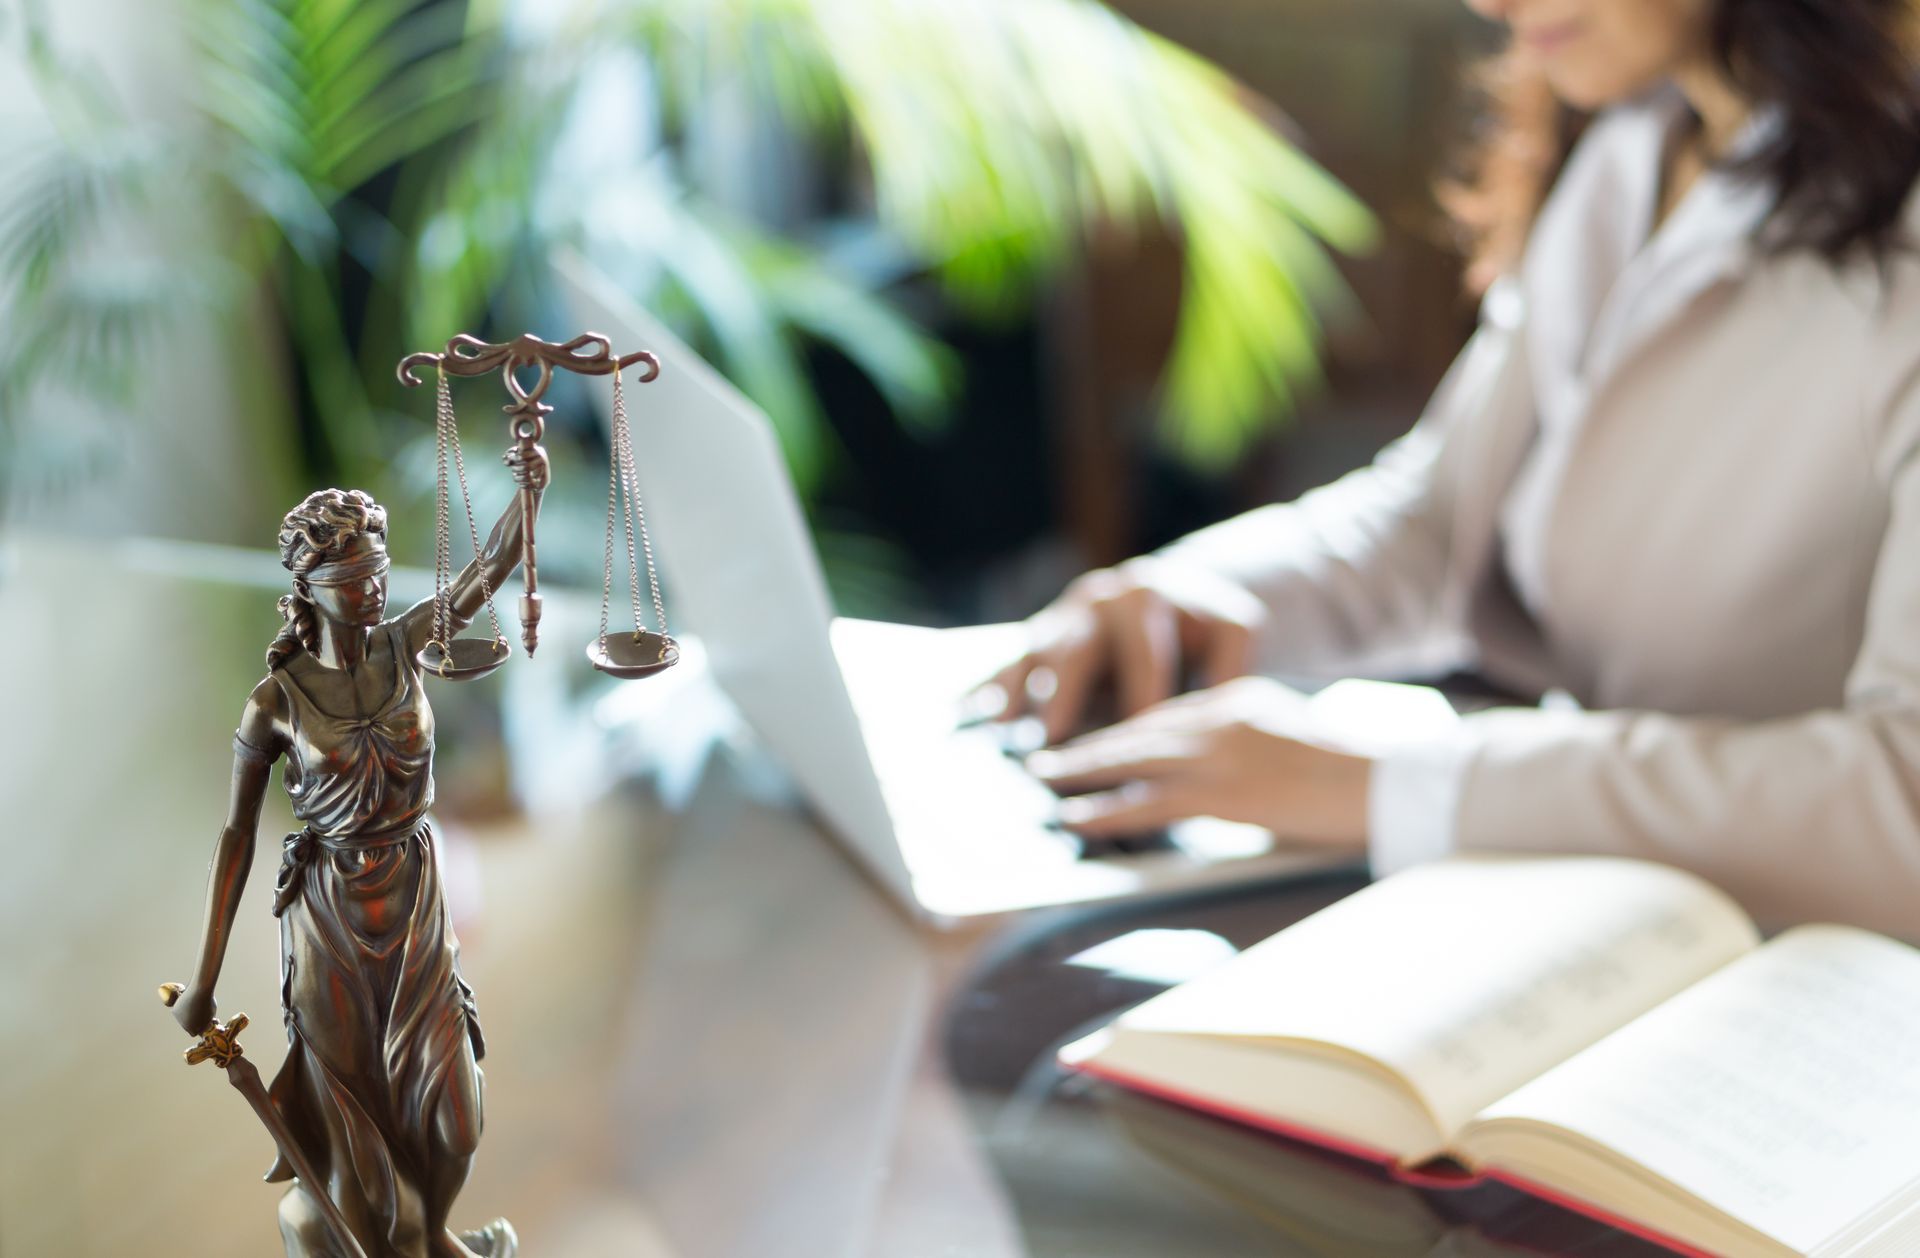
column 1843, row 73
column 320, row 529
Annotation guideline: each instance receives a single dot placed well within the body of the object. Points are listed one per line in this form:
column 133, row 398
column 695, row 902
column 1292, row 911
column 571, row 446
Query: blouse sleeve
column 1352, row 574
column 1413, row 795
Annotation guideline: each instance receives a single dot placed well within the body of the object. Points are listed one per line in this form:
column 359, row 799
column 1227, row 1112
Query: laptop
column 866, row 716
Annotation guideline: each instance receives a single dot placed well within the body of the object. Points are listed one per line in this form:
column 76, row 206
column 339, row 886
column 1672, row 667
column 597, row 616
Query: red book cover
column 1434, row 1175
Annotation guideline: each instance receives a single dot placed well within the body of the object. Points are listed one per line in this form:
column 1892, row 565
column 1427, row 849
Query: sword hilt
column 220, row 1046
column 220, row 1043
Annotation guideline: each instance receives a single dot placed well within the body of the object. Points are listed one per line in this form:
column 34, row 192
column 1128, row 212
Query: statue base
column 495, row 1240
column 305, row 1233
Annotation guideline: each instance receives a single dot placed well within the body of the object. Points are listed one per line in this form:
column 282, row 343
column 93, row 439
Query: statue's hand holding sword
column 220, row 1044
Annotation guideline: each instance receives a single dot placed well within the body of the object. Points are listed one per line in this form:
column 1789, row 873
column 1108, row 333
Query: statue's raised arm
column 474, row 585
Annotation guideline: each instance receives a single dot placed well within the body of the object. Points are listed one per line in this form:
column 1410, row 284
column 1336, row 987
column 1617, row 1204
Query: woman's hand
column 1138, row 623
column 193, row 1009
column 528, row 468
column 1243, row 751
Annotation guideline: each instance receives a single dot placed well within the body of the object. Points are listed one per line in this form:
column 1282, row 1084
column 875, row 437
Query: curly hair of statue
column 324, row 523
column 375, row 1111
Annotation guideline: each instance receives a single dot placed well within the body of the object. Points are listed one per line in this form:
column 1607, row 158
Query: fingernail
column 1044, row 763
column 983, row 703
column 1076, row 810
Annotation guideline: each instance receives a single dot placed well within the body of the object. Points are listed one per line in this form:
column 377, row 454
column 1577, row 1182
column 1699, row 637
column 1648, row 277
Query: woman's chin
column 1591, row 93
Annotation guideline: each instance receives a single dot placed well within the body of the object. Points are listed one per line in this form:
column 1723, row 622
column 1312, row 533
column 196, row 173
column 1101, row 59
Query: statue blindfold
column 370, row 563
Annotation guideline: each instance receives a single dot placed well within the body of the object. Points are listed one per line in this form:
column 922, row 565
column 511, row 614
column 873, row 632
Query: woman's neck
column 1721, row 108
column 1722, row 112
column 342, row 646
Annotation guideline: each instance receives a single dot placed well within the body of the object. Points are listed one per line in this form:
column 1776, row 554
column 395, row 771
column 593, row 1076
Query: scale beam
column 588, row 354
column 470, row 356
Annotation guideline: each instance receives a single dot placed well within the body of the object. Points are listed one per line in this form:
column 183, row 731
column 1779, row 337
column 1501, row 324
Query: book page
column 1469, row 977
column 1783, row 1091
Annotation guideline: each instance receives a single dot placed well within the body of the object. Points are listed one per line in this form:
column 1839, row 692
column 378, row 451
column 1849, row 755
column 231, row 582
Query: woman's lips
column 1549, row 38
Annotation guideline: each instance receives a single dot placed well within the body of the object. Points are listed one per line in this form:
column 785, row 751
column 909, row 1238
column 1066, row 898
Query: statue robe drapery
column 380, row 1084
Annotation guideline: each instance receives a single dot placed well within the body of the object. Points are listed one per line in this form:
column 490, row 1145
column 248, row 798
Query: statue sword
column 221, row 1045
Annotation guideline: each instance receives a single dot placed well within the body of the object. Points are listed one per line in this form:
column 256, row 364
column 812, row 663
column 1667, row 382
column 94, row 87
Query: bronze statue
column 377, row 1108
column 381, row 1086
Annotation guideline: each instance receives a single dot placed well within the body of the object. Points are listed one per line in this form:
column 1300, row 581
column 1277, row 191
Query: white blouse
column 1590, row 278
column 1674, row 475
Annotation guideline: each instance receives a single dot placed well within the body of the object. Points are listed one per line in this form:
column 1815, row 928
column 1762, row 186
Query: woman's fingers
column 1144, row 631
column 1192, row 712
column 1111, row 762
column 1072, row 676
column 1052, row 677
column 1056, row 683
column 1157, row 721
column 1228, row 652
column 1003, row 695
column 1129, row 809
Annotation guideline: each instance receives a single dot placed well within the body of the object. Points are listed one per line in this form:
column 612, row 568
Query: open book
column 1608, row 1034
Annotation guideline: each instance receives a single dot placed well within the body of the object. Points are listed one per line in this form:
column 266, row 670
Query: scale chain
column 622, row 436
column 442, row 539
column 623, row 497
column 640, row 514
column 613, row 506
column 473, row 531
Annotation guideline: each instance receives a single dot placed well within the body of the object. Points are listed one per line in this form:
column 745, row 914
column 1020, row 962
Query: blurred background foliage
column 781, row 179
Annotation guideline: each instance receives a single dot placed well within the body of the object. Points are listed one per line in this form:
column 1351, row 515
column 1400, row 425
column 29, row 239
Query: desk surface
column 706, row 1034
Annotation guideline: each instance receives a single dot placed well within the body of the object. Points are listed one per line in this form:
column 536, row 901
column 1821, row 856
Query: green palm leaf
column 999, row 132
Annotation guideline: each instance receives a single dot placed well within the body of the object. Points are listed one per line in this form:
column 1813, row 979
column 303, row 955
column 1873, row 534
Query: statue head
column 335, row 545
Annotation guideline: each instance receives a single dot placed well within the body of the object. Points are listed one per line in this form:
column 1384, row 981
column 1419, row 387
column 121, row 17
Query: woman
column 380, row 1085
column 1674, row 476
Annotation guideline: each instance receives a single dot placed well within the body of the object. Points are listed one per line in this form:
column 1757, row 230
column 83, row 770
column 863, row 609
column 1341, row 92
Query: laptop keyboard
column 1020, row 738
column 1145, row 843
column 984, row 790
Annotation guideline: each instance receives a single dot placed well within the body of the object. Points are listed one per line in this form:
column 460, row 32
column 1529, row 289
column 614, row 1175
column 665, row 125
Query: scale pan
column 639, row 654
column 465, row 659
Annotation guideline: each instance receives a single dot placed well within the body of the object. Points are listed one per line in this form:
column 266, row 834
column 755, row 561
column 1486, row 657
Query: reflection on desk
column 700, row 1019
column 1326, row 1204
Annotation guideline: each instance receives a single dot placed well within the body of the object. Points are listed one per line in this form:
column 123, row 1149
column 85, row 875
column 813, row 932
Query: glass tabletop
column 708, row 1032
column 1091, row 1169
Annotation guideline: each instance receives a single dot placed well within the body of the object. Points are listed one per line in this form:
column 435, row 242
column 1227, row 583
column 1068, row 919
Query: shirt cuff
column 1413, row 796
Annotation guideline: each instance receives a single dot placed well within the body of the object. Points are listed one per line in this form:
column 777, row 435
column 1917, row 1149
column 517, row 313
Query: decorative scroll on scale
column 589, row 354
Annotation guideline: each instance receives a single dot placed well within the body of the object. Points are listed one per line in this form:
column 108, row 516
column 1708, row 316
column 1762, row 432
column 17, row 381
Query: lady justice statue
column 377, row 1107
column 381, row 1083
